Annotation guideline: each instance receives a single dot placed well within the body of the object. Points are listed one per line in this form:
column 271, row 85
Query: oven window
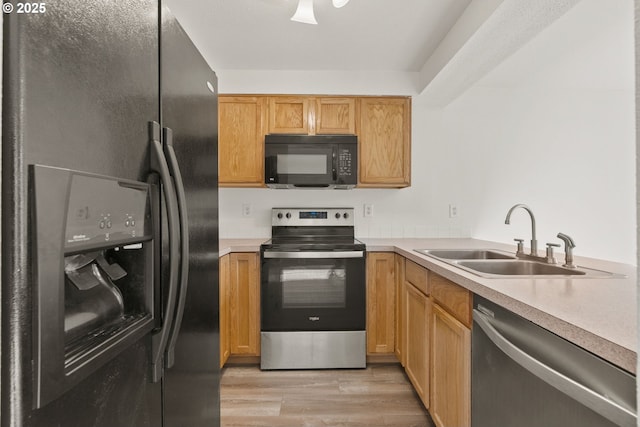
column 318, row 286
column 302, row 164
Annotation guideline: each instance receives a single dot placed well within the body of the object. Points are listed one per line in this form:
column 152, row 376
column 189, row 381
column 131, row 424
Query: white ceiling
column 364, row 35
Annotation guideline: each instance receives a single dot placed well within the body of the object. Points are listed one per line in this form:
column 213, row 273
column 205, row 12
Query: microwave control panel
column 345, row 162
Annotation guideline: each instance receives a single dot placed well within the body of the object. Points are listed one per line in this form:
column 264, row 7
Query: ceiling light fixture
column 304, row 12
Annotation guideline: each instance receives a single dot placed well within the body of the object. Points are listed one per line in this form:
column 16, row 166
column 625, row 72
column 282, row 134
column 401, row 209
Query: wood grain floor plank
column 379, row 395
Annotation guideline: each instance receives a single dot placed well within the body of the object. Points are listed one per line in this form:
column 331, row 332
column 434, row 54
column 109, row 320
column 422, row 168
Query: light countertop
column 240, row 245
column 595, row 313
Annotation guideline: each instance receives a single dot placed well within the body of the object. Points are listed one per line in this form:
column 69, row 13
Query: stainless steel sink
column 519, row 268
column 494, row 263
column 466, row 253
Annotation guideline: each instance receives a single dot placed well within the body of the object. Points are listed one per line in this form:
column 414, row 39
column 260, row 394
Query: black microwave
column 311, row 161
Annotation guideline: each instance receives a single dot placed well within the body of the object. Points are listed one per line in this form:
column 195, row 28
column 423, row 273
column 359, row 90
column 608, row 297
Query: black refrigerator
column 109, row 244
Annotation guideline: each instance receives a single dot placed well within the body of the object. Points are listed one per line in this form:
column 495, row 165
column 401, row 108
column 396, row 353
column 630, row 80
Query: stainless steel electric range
column 313, row 291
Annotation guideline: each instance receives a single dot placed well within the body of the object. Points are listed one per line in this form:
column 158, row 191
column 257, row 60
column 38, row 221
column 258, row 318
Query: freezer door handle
column 160, row 166
column 600, row 404
column 174, row 169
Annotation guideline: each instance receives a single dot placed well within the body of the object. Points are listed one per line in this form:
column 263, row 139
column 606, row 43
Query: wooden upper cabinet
column 384, row 130
column 241, row 140
column 311, row 115
column 382, row 124
column 289, row 114
column 335, row 116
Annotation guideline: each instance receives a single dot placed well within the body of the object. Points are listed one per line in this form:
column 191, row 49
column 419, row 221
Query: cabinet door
column 335, row 116
column 450, row 370
column 380, row 303
column 289, row 114
column 225, row 347
column 241, row 141
column 401, row 311
column 244, row 304
column 384, row 131
column 417, row 346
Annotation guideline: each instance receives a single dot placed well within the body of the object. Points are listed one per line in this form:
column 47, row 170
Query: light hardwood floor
column 380, row 395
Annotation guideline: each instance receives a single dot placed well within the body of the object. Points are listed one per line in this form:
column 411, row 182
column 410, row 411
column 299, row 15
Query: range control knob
column 345, row 215
column 338, row 215
column 288, row 215
column 279, row 215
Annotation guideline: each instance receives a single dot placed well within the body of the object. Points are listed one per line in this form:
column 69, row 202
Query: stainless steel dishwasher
column 524, row 375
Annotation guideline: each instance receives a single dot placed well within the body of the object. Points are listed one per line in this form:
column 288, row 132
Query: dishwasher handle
column 598, row 403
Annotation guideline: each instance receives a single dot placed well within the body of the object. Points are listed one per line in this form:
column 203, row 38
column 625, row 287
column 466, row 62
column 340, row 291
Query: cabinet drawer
column 452, row 297
column 417, row 276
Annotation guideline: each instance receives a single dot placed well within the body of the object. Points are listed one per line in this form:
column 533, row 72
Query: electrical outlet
column 453, row 210
column 368, row 210
column 246, row 209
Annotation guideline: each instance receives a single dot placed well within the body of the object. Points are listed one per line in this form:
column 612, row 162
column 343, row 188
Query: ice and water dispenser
column 93, row 254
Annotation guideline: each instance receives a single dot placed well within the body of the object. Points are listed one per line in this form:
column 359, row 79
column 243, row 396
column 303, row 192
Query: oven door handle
column 313, row 254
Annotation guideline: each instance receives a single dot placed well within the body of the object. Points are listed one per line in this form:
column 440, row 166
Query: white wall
column 552, row 127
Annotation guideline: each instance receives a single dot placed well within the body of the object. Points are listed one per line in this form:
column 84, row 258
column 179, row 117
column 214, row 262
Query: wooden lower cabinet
column 418, row 317
column 450, row 370
column 224, row 287
column 380, row 303
column 244, row 304
column 400, row 309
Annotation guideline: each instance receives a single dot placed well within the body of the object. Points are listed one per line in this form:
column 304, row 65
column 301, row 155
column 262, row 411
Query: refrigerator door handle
column 159, row 165
column 174, row 169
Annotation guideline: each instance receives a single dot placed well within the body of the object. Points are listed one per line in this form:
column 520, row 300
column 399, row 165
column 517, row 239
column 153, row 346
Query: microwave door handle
column 174, row 169
column 159, row 165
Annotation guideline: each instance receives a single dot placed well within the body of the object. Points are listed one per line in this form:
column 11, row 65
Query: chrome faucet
column 568, row 250
column 534, row 242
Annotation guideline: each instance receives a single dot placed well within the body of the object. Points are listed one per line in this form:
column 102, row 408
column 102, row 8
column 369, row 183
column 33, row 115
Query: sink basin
column 496, row 264
column 519, row 268
column 466, row 253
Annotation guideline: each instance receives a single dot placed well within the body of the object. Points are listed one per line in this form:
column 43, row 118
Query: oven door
column 313, row 290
